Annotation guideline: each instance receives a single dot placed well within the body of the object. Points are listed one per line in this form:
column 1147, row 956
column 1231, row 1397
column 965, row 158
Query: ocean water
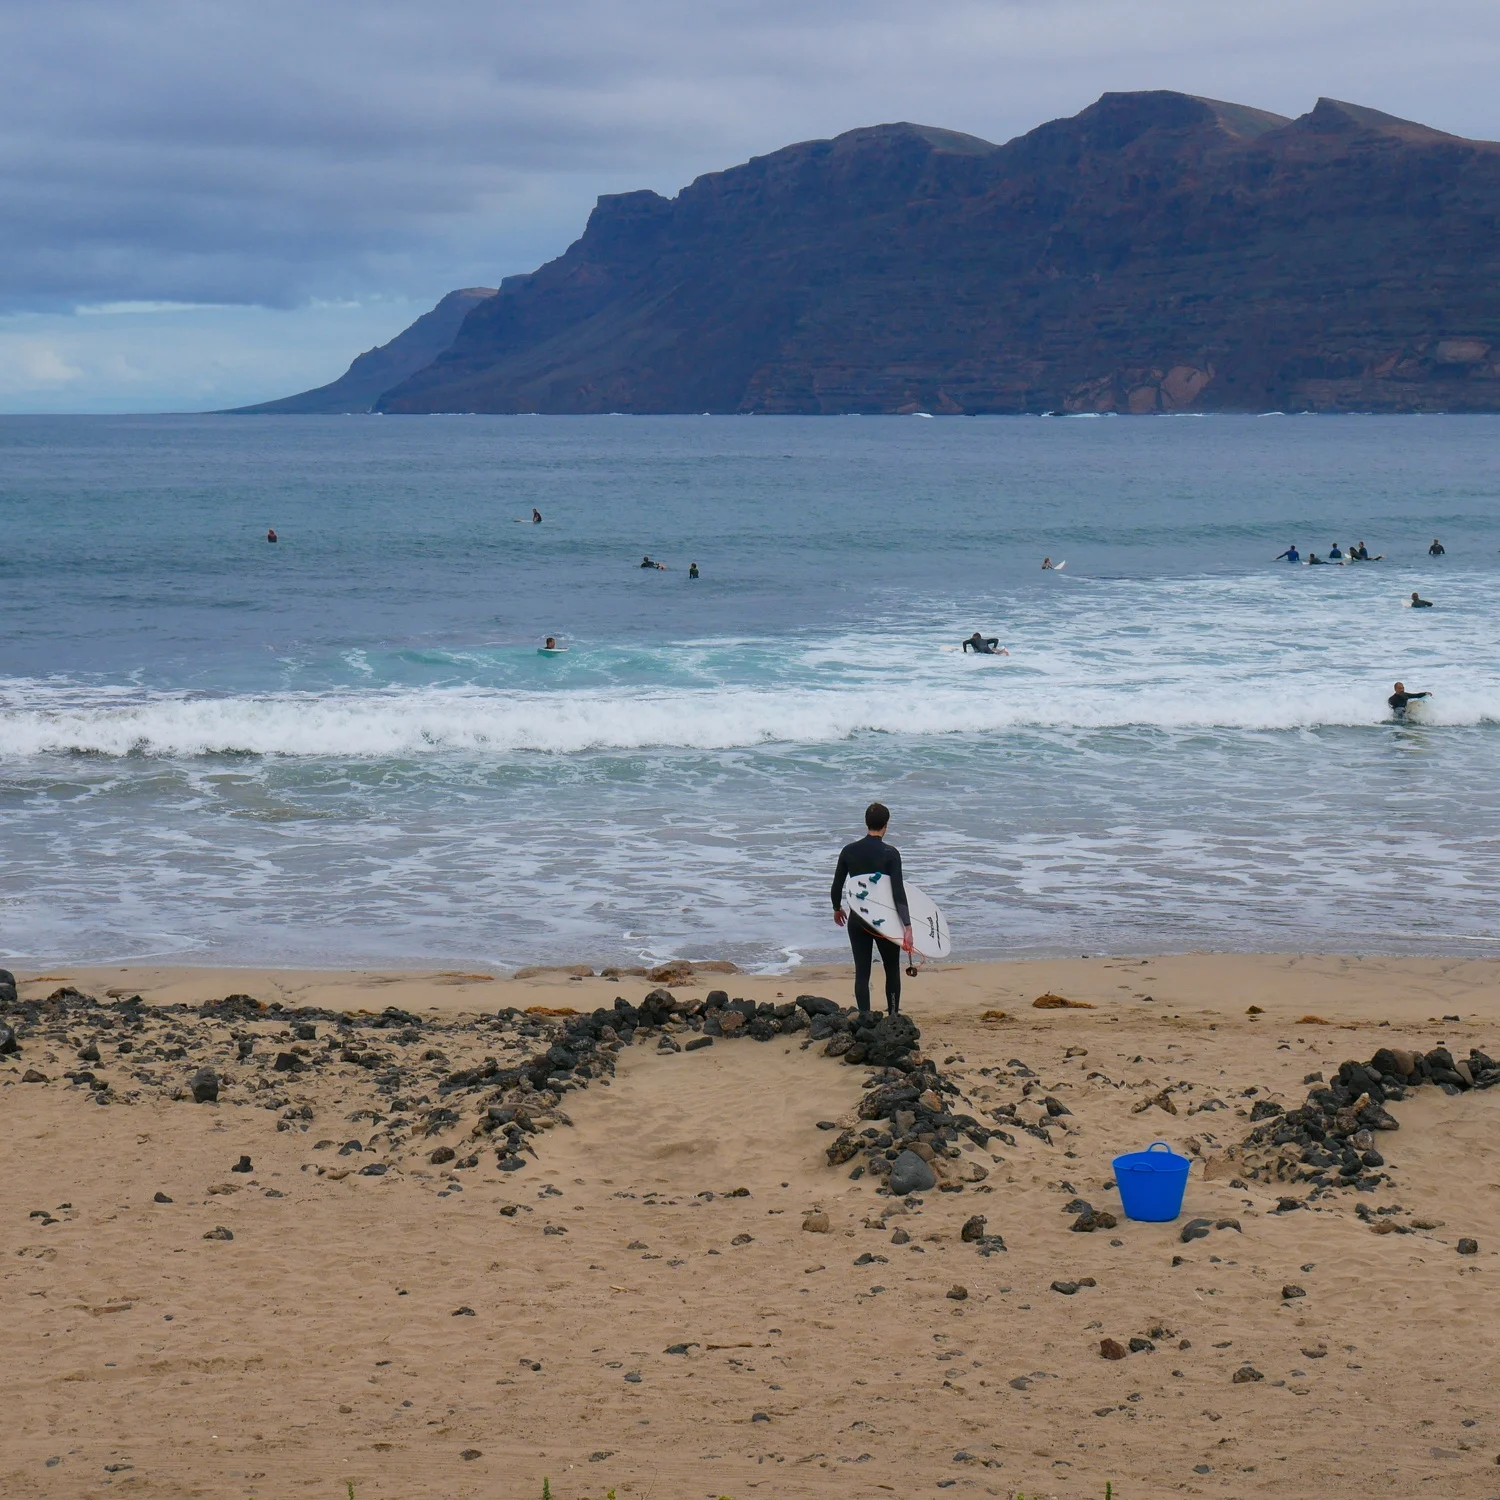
column 346, row 748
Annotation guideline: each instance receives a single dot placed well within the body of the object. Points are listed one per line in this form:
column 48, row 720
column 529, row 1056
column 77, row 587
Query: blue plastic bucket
column 1152, row 1182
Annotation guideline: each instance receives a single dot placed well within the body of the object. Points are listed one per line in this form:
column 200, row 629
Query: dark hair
column 877, row 815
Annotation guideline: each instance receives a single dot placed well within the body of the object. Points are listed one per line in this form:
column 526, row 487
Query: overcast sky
column 218, row 201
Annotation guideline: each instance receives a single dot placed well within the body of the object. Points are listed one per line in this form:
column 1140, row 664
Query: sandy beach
column 651, row 1305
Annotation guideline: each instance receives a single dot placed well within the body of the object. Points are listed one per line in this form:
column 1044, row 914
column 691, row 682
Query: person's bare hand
column 840, row 916
column 906, row 942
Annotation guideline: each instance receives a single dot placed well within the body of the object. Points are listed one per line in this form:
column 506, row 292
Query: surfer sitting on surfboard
column 867, row 856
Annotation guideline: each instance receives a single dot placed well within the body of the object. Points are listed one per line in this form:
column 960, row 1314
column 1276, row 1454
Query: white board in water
column 869, row 898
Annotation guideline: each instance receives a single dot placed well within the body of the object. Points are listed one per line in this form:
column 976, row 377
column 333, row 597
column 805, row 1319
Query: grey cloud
column 270, row 152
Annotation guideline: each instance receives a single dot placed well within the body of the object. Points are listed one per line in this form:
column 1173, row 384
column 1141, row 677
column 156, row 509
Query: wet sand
column 325, row 1344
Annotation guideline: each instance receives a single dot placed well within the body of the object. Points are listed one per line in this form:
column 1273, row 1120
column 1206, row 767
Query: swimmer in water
column 1047, row 565
column 536, row 516
column 1291, row 554
column 1400, row 698
column 1334, row 555
column 984, row 645
column 271, row 535
column 693, row 570
column 1314, row 561
column 647, row 563
column 1418, row 602
column 1437, row 549
column 551, row 643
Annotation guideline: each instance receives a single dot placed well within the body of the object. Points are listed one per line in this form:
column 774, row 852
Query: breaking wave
column 403, row 723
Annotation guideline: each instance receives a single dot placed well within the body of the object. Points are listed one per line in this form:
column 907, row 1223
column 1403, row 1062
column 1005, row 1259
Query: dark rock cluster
column 915, row 1135
column 239, row 1051
column 1330, row 1141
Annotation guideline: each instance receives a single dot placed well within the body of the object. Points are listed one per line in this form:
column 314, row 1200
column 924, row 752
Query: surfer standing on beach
column 869, row 856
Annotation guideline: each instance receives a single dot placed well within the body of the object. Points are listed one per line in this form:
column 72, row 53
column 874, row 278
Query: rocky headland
column 1156, row 253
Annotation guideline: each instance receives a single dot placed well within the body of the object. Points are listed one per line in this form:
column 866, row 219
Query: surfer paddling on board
column 984, row 645
column 868, row 856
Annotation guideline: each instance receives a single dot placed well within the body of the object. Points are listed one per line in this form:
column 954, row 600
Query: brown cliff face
column 1155, row 253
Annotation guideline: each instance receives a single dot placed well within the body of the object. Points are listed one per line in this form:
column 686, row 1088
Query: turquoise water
column 346, row 748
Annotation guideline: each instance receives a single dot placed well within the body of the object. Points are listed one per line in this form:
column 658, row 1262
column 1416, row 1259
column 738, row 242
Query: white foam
column 426, row 721
column 1294, row 651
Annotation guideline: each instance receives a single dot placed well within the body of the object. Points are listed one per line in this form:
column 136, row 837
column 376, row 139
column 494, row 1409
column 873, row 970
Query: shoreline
column 1352, row 990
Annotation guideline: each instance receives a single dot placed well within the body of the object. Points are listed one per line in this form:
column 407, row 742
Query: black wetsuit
column 1398, row 702
column 982, row 645
column 1437, row 549
column 867, row 856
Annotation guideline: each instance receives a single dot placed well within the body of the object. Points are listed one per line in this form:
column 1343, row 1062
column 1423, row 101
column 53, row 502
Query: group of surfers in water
column 989, row 645
column 1336, row 554
column 1359, row 553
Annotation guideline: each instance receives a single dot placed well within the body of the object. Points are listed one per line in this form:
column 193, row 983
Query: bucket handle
column 1163, row 1144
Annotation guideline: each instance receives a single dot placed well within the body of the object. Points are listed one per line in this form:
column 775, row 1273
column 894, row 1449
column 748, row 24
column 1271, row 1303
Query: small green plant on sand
column 546, row 1489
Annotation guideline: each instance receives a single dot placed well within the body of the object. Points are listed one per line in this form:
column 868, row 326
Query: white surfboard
column 869, row 898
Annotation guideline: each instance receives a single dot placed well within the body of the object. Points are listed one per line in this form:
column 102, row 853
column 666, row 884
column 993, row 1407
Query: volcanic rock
column 910, row 1174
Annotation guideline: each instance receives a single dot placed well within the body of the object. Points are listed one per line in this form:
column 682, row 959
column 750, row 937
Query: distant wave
column 426, row 721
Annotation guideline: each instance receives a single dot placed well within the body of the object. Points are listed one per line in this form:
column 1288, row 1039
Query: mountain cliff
column 1157, row 252
column 377, row 370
